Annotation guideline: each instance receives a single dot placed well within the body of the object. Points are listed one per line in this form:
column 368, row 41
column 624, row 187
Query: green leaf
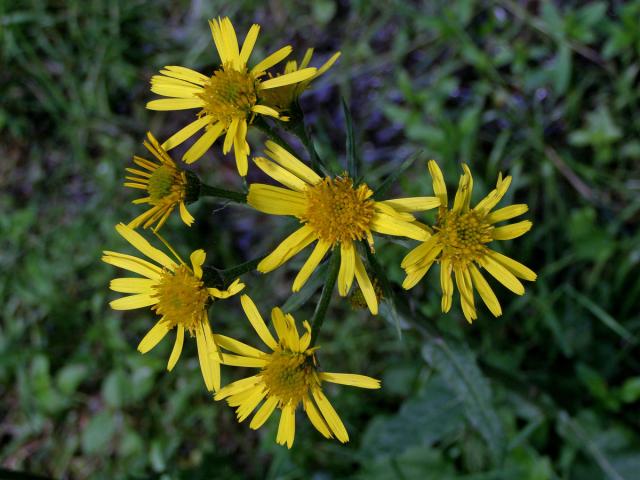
column 98, row 432
column 458, row 366
column 437, row 412
column 379, row 193
column 352, row 160
column 562, row 70
column 115, row 389
column 70, row 376
column 301, row 297
column 630, row 391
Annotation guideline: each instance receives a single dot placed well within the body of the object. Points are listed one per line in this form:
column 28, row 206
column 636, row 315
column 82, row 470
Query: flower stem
column 261, row 124
column 208, row 191
column 325, row 296
column 218, row 278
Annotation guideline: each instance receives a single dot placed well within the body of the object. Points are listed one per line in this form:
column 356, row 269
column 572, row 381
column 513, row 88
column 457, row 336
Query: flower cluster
column 336, row 213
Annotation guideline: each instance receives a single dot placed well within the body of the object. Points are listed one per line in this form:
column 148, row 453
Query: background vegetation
column 546, row 91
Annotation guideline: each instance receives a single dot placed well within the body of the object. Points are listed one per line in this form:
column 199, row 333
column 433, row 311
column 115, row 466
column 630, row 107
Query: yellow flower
column 333, row 212
column 460, row 245
column 288, row 376
column 176, row 293
column 164, row 183
column 228, row 100
column 282, row 98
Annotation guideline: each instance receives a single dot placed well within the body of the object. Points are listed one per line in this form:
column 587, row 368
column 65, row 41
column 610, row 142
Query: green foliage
column 544, row 91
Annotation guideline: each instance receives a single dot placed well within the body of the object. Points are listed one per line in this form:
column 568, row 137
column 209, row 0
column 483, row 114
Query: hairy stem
column 208, row 191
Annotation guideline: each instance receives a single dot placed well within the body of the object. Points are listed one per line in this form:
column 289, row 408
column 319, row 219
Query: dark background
column 545, row 91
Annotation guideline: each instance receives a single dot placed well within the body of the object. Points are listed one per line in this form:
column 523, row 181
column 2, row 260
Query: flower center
column 229, row 94
column 463, row 236
column 161, row 182
column 337, row 211
column 182, row 298
column 288, row 375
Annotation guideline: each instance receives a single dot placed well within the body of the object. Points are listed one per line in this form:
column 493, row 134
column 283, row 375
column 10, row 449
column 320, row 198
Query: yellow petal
column 420, row 252
column 439, row 185
column 330, row 416
column 275, row 171
column 250, row 404
column 325, row 66
column 236, row 346
column 165, row 104
column 133, row 264
column 186, row 217
column 466, row 295
column 187, row 132
column 290, row 246
column 287, row 426
column 240, row 361
column 271, row 60
column 257, row 322
column 184, row 73
column 288, row 78
column 347, row 268
column 515, row 267
column 276, row 200
column 234, row 288
column 486, row 293
column 231, row 133
column 316, row 420
column 492, row 199
column 368, row 292
column 153, row 337
column 287, row 160
column 249, row 42
column 352, row 379
column 197, row 259
column 413, row 204
column 134, row 301
column 386, row 224
column 263, row 413
column 509, row 232
column 264, row 110
column 177, row 348
column 463, row 194
column 241, row 148
column 503, row 275
column 237, row 387
column 219, row 41
column 175, row 90
column 200, row 147
column 133, row 285
column 142, row 245
column 507, row 213
column 311, row 264
column 446, row 284
column 230, row 41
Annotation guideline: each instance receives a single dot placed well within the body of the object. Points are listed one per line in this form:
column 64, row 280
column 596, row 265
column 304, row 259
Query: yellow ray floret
column 333, row 212
column 174, row 291
column 164, row 184
column 282, row 98
column 288, row 377
column 460, row 242
column 228, row 100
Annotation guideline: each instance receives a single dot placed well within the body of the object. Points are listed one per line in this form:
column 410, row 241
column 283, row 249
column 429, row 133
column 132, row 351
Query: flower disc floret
column 289, row 375
column 229, row 95
column 463, row 236
column 181, row 298
column 337, row 211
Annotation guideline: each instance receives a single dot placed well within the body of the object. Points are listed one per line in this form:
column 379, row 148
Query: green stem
column 325, row 296
column 218, row 278
column 208, row 191
column 300, row 130
column 261, row 124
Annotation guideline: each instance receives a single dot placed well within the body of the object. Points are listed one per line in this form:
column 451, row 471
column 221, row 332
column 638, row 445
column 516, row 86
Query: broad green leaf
column 458, row 366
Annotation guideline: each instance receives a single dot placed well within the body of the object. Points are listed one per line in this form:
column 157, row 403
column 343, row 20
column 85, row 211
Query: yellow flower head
column 460, row 241
column 175, row 291
column 335, row 213
column 164, row 184
column 228, row 100
column 282, row 98
column 288, row 376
